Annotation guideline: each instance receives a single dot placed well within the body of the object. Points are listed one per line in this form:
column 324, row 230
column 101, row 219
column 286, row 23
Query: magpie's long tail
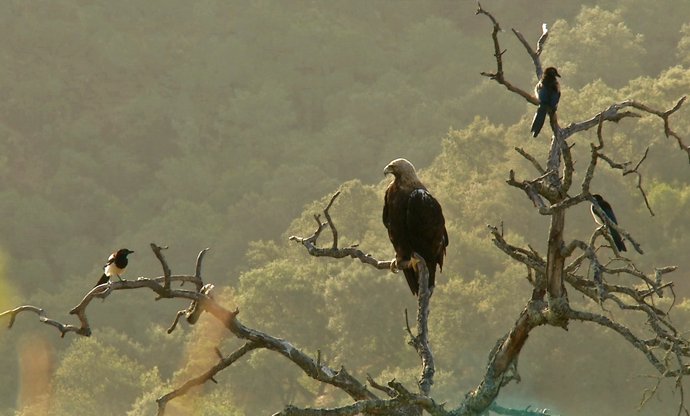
column 103, row 279
column 620, row 245
column 538, row 121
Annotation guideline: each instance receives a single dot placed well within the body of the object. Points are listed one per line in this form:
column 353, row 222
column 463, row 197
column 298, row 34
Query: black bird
column 606, row 207
column 116, row 265
column 549, row 92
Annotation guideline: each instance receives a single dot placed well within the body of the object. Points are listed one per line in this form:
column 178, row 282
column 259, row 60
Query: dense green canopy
column 229, row 124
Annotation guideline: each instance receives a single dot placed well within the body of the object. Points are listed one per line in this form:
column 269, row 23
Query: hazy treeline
column 228, row 124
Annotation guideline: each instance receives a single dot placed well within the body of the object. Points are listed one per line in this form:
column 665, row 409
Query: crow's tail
column 538, row 121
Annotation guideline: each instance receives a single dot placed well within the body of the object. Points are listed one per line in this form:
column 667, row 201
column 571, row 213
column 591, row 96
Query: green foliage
column 214, row 124
column 597, row 45
column 107, row 373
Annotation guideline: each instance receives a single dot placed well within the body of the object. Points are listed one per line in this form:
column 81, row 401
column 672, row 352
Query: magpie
column 117, row 262
column 549, row 93
column 606, row 207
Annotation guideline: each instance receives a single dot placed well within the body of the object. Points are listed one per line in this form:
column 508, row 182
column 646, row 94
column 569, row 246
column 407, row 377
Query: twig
column 158, row 251
column 498, row 54
column 203, row 378
column 63, row 328
column 334, row 251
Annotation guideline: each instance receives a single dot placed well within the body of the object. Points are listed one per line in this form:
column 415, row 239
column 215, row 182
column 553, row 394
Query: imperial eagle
column 415, row 222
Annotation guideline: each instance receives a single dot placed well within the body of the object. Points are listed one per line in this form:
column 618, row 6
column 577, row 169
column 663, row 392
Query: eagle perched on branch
column 415, row 222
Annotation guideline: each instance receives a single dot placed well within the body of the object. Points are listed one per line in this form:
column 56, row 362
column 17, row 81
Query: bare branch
column 664, row 115
column 158, row 251
column 535, row 54
column 63, row 328
column 341, row 378
column 197, row 269
column 335, row 252
column 330, row 222
column 532, row 160
column 621, row 330
column 534, row 189
column 389, row 391
column 203, row 378
column 614, row 113
column 498, row 54
column 420, row 342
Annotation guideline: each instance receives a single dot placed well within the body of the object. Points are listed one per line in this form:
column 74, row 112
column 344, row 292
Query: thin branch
column 63, row 328
column 203, row 378
column 534, row 189
column 664, row 115
column 334, row 251
column 340, row 378
column 639, row 181
column 498, row 54
column 389, row 391
column 531, row 159
column 535, row 54
column 158, row 251
column 330, row 222
column 623, row 331
column 614, row 113
column 197, row 268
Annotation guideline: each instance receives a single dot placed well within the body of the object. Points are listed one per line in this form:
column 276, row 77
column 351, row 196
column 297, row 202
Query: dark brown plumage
column 414, row 220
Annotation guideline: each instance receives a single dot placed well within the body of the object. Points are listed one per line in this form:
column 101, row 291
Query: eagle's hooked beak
column 388, row 169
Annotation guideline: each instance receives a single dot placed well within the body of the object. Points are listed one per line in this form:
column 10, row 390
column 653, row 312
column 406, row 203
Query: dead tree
column 550, row 192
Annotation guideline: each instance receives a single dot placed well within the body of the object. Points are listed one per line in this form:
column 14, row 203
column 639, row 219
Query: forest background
column 228, row 124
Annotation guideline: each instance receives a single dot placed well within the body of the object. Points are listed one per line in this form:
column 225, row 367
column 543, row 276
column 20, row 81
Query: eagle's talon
column 394, row 266
column 414, row 261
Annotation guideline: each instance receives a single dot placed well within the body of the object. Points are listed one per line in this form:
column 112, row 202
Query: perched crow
column 549, row 92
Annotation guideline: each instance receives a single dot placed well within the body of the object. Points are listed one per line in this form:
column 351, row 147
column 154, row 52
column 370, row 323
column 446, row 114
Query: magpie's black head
column 551, row 72
column 123, row 252
column 598, row 198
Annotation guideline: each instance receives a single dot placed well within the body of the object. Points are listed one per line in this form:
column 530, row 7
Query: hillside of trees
column 229, row 124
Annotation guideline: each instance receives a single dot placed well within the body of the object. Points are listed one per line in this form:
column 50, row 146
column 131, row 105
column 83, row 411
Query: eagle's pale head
column 403, row 171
